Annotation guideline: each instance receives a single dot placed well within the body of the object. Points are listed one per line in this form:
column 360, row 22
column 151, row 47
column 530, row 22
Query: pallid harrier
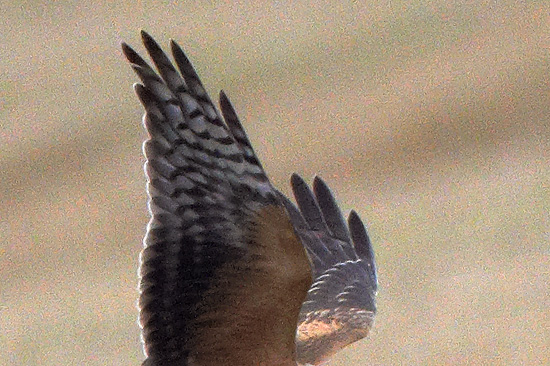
column 226, row 271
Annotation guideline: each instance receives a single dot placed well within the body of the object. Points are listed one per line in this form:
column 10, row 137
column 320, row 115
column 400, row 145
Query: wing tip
column 145, row 36
column 131, row 55
column 363, row 245
column 225, row 104
column 295, row 177
column 318, row 181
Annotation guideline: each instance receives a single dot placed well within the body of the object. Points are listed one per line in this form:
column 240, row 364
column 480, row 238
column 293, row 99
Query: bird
column 232, row 272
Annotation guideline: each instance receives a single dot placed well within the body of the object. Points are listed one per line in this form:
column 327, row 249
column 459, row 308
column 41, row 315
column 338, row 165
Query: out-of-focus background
column 430, row 118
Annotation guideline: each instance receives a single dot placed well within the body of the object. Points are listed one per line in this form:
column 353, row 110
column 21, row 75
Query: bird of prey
column 232, row 272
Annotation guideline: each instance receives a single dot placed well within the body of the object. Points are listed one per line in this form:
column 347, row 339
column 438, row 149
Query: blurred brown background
column 430, row 118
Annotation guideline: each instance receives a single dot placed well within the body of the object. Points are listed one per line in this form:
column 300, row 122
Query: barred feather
column 224, row 271
column 208, row 202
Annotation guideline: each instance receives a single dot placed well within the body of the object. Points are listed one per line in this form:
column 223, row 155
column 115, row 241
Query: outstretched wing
column 340, row 305
column 223, row 274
